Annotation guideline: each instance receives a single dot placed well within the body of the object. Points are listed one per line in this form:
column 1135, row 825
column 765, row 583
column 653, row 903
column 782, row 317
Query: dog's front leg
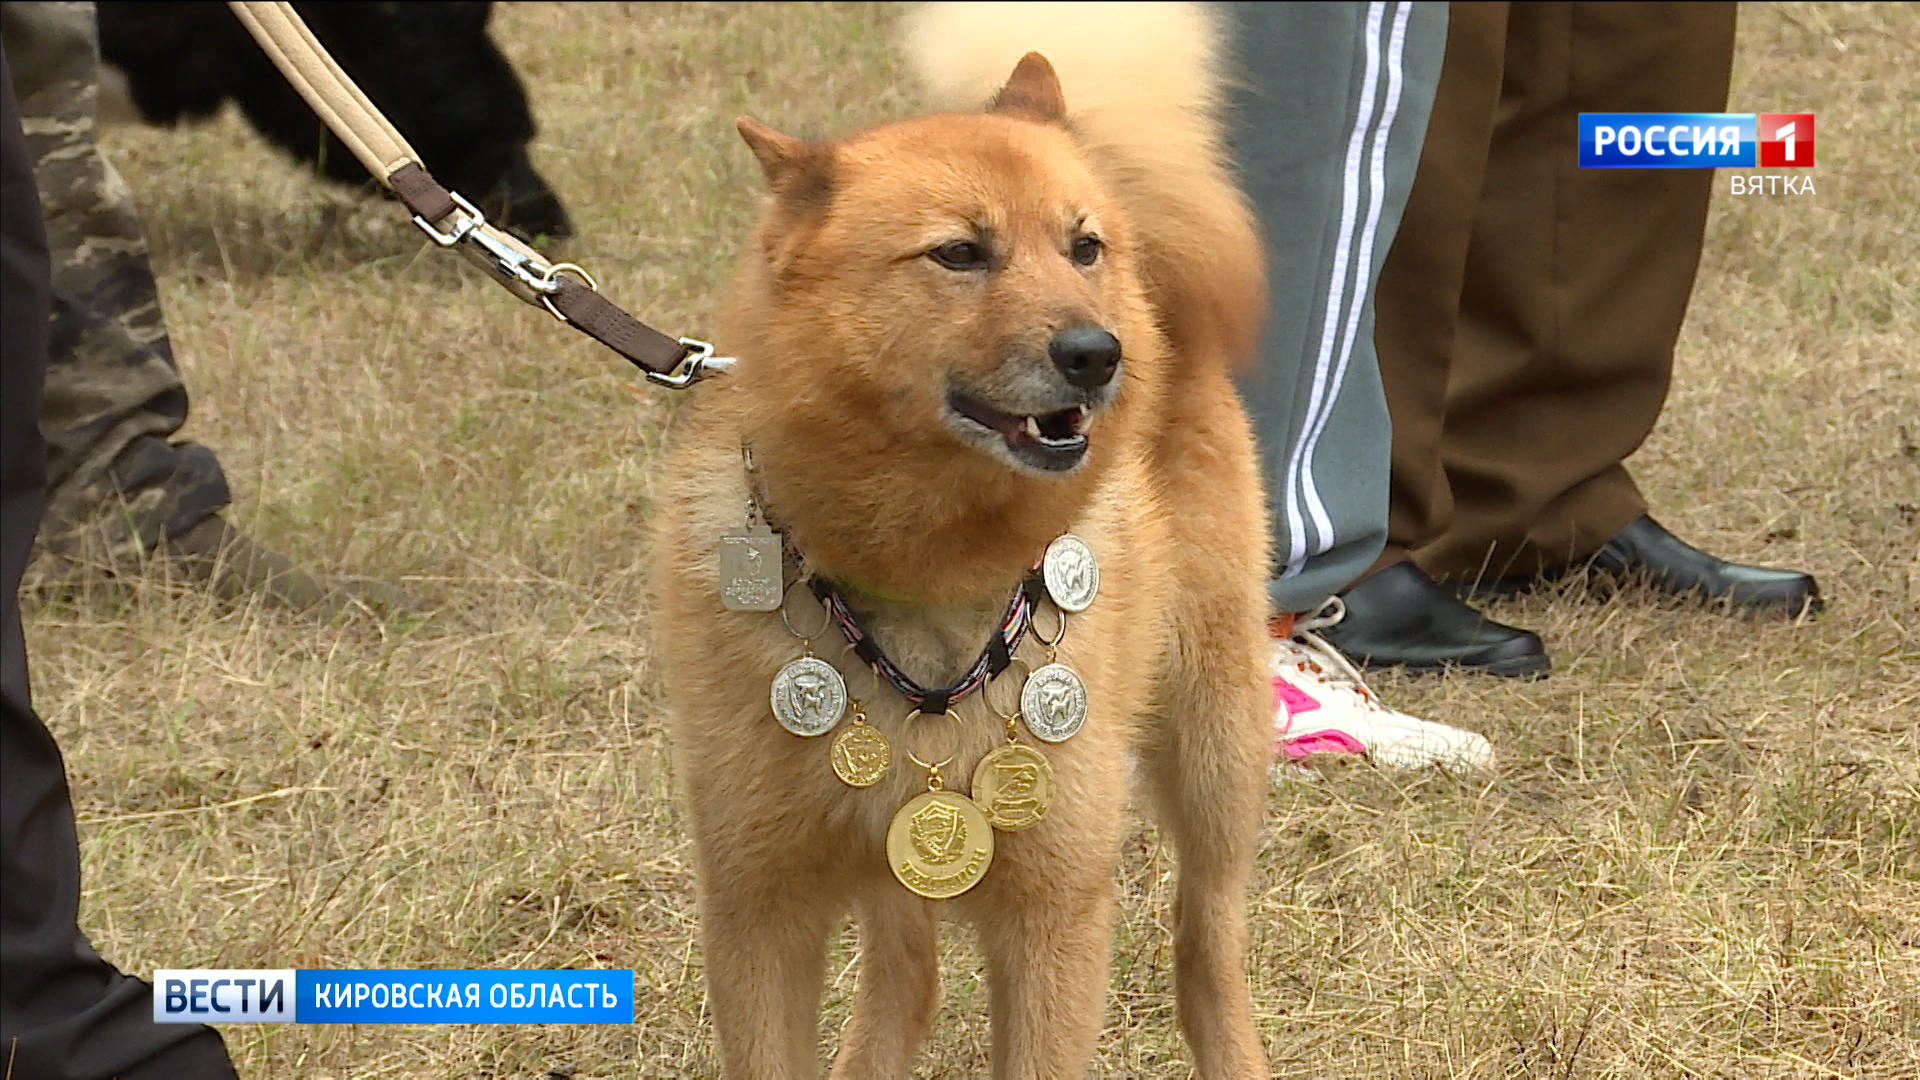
column 766, row 959
column 1045, row 925
column 1209, row 772
column 899, row 985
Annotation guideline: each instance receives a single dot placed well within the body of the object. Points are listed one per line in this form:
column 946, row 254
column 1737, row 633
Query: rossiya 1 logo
column 1705, row 141
column 1786, row 140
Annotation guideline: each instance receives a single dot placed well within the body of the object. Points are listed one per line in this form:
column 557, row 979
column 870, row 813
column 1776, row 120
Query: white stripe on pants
column 1366, row 153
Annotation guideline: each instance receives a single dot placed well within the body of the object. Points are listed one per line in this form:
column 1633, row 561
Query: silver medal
column 809, row 696
column 1053, row 703
column 1071, row 574
column 751, row 571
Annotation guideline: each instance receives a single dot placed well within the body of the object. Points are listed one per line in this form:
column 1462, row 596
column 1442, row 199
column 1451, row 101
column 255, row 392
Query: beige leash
column 565, row 290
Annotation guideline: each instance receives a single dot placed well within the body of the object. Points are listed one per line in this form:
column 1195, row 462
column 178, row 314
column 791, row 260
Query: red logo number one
column 1786, row 140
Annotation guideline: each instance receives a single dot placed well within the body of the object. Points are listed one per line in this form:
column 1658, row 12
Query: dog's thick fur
column 432, row 69
column 850, row 338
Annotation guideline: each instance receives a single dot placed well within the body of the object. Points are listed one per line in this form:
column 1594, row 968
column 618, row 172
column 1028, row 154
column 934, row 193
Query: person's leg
column 64, row 1012
column 1419, row 296
column 1326, row 129
column 1396, row 615
column 114, row 396
column 1576, row 284
column 121, row 488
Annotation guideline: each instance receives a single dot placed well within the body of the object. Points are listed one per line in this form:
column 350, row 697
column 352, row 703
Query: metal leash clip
column 697, row 364
column 380, row 147
column 522, row 270
column 535, row 280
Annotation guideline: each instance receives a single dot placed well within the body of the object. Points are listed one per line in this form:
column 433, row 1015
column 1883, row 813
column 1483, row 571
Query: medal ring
column 986, row 692
column 934, row 766
column 826, row 617
column 1058, row 636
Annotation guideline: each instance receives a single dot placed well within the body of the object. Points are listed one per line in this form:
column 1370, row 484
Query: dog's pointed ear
column 799, row 171
column 1032, row 91
column 776, row 152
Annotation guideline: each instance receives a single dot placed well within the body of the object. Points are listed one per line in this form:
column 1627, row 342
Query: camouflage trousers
column 117, row 481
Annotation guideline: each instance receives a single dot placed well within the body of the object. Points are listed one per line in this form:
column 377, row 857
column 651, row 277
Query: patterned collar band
column 993, row 659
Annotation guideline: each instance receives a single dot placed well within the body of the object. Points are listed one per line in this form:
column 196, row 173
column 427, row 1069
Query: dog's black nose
column 1086, row 355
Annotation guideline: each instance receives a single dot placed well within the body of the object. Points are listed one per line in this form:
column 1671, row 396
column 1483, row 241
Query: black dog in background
column 431, row 67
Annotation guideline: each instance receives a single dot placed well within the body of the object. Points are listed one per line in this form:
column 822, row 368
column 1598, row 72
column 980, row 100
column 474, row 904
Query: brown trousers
column 1528, row 310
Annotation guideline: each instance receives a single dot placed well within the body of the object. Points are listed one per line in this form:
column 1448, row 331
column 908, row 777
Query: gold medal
column 939, row 844
column 861, row 755
column 1013, row 786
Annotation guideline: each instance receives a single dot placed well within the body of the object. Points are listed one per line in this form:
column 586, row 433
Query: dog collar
column 1012, row 784
column 993, row 658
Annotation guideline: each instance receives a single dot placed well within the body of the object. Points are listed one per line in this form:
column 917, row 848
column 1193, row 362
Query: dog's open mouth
column 1054, row 442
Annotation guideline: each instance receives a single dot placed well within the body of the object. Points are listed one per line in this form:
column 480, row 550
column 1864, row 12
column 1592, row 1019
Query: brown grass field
column 1699, row 855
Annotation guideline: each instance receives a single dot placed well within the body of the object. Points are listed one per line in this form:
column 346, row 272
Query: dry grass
column 1700, row 857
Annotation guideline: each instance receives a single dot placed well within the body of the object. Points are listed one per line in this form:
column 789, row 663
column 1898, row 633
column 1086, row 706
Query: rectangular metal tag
column 751, row 571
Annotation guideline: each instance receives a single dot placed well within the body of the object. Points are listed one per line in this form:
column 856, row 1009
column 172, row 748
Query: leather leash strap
column 565, row 290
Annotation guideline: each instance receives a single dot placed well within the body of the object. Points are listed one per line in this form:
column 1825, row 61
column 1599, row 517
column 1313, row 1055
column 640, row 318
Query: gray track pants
column 1327, row 124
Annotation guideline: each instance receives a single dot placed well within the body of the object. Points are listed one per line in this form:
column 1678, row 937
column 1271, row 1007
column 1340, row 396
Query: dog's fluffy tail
column 1143, row 91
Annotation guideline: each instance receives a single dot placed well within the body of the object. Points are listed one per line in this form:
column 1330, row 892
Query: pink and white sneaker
column 1321, row 705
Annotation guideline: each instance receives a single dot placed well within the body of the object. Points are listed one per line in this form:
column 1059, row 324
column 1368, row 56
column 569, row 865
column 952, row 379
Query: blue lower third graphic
column 1667, row 140
column 223, row 996
column 394, row 997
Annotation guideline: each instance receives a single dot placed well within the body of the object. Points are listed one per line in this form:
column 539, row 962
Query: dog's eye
column 960, row 255
column 1086, row 250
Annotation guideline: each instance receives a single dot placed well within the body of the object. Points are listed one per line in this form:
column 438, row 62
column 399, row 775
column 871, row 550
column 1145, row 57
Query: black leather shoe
column 1646, row 551
column 1400, row 617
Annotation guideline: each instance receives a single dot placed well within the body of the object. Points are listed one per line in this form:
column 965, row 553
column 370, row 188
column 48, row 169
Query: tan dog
column 959, row 337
